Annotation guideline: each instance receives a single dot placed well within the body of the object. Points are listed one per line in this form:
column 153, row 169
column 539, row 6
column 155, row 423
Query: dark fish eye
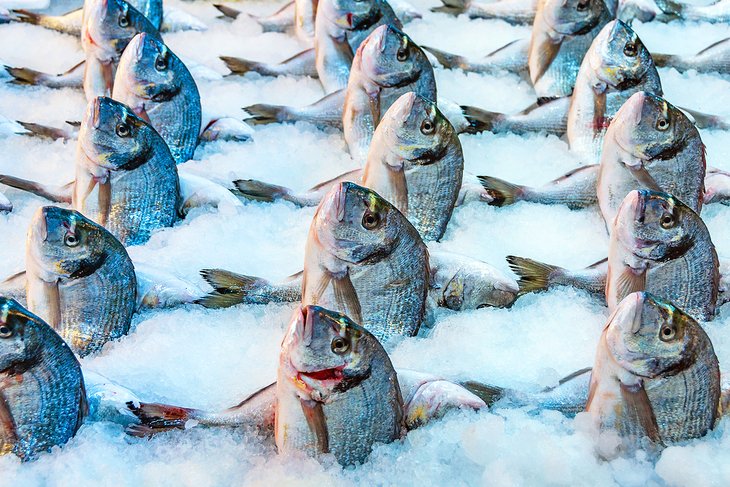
column 123, row 130
column 370, row 220
column 5, row 331
column 667, row 221
column 427, row 127
column 583, row 5
column 662, row 124
column 70, row 240
column 630, row 49
column 667, row 333
column 123, row 20
column 340, row 345
column 160, row 63
column 402, row 54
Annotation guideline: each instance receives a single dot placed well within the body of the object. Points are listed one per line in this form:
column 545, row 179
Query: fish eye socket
column 402, row 54
column 662, row 124
column 370, row 220
column 427, row 127
column 667, row 333
column 123, row 20
column 160, row 63
column 123, row 130
column 667, row 221
column 630, row 49
column 582, row 5
column 5, row 331
column 340, row 345
column 70, row 240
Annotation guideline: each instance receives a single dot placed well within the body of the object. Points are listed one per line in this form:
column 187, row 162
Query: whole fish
column 42, row 397
column 387, row 65
column 331, row 370
column 126, row 179
column 660, row 245
column 561, row 35
column 80, row 279
column 616, row 66
column 715, row 58
column 651, row 144
column 157, row 86
column 656, row 379
column 516, row 12
column 511, row 57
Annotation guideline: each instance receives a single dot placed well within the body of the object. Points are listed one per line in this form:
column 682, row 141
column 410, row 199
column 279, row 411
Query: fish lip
column 139, row 48
column 42, row 226
column 95, row 113
column 640, row 206
column 340, row 200
column 638, row 312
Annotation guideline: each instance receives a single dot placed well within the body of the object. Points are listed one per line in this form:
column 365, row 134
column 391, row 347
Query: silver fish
column 715, row 58
column 517, row 12
column 656, row 379
column 80, row 279
column 42, row 397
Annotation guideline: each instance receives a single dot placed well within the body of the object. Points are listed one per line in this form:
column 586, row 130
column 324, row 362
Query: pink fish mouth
column 324, row 375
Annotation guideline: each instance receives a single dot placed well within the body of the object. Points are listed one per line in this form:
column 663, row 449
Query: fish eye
column 160, row 63
column 5, row 331
column 583, row 5
column 427, row 127
column 402, row 54
column 667, row 221
column 370, row 220
column 630, row 49
column 340, row 345
column 123, row 20
column 123, row 130
column 662, row 124
column 667, row 333
column 70, row 240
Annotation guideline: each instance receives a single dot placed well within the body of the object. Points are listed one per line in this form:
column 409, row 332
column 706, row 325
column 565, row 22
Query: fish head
column 350, row 14
column 109, row 25
column 650, row 128
column 325, row 352
column 390, row 59
column 65, row 244
column 655, row 226
column 19, row 340
column 650, row 337
column 149, row 71
column 422, row 133
column 472, row 288
column 619, row 58
column 114, row 138
column 354, row 223
column 573, row 17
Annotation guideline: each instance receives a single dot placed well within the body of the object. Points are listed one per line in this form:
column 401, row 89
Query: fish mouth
column 336, row 204
column 95, row 113
column 41, row 226
column 334, row 374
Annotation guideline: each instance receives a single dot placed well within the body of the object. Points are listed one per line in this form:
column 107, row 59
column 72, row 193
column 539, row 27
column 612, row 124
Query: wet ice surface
column 212, row 359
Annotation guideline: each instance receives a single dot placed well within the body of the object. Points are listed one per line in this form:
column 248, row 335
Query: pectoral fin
column 546, row 54
column 638, row 406
column 314, row 415
column 374, row 101
column 105, row 200
column 642, row 176
column 346, row 297
column 629, row 281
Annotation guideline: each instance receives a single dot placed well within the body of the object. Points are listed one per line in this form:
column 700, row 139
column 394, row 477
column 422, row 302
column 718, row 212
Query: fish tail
column 228, row 12
column 488, row 393
column 662, row 60
column 239, row 65
column 706, row 120
column 26, row 16
column 447, row 60
column 156, row 418
column 449, row 9
column 26, row 76
column 669, row 7
column 503, row 193
column 480, row 120
column 44, row 131
column 534, row 275
column 229, row 288
column 262, row 114
column 55, row 194
column 261, row 191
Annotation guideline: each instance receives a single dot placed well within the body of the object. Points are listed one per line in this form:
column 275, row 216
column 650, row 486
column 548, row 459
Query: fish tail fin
column 503, row 193
column 480, row 120
column 260, row 191
column 26, row 76
column 534, row 275
column 229, row 288
column 262, row 114
column 26, row 16
column 449, row 9
column 156, row 418
column 446, row 59
column 239, row 65
column 662, row 60
column 706, row 120
column 56, row 194
column 488, row 393
column 228, row 12
column 44, row 131
column 670, row 7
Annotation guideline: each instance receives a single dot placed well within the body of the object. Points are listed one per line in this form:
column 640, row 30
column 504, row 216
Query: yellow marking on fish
column 417, row 415
column 4, row 312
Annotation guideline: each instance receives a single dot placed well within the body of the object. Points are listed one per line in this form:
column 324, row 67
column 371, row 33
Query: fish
column 511, row 57
column 157, row 86
column 651, row 144
column 126, row 179
column 716, row 12
column 515, row 12
column 656, row 379
column 330, row 371
column 80, row 279
column 387, row 65
column 42, row 396
column 715, row 58
column 616, row 66
column 561, row 35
